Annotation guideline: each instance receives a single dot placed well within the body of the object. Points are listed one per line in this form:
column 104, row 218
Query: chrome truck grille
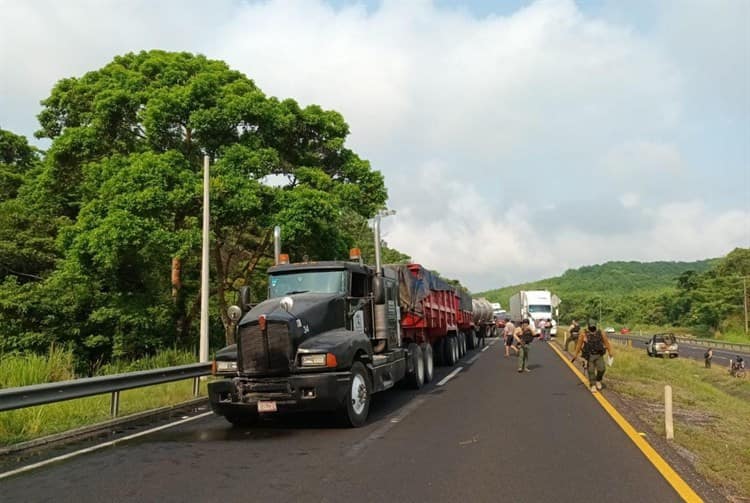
column 268, row 352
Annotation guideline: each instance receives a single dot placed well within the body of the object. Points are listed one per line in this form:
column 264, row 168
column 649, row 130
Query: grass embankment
column 711, row 411
column 33, row 422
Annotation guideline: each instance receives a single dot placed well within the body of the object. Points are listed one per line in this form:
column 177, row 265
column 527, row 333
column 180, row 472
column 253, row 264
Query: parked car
column 609, row 330
column 624, row 330
column 662, row 345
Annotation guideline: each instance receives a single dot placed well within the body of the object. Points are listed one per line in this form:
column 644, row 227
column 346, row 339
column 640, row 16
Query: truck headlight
column 313, row 360
column 225, row 366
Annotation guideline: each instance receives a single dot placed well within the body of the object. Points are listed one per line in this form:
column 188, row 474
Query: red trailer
column 434, row 313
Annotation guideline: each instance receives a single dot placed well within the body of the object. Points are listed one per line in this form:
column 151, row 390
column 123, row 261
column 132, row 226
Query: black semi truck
column 327, row 338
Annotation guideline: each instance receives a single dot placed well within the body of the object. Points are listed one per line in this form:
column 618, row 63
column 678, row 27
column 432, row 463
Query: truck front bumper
column 308, row 392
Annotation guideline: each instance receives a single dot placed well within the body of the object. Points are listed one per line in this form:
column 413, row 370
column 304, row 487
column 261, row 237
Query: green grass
column 711, row 411
column 33, row 422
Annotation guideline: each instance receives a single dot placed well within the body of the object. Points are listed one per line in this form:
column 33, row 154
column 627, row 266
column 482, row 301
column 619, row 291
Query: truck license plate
column 266, row 406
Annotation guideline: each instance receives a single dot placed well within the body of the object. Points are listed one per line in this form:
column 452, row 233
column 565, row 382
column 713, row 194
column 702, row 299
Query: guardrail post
column 668, row 423
column 114, row 406
column 196, row 386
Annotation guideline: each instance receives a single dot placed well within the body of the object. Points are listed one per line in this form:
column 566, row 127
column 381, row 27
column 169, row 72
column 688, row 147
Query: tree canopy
column 120, row 191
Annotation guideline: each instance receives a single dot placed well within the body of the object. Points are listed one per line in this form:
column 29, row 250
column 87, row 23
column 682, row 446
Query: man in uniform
column 523, row 336
column 573, row 332
column 592, row 345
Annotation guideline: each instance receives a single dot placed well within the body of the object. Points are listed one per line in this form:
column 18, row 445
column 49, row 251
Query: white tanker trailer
column 484, row 320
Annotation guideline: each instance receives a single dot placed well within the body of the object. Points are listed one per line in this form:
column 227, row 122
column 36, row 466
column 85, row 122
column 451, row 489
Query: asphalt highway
column 487, row 434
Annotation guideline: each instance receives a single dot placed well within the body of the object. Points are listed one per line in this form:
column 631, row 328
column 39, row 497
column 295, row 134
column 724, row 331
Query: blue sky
column 517, row 138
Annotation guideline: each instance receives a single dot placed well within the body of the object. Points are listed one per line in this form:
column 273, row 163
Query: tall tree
column 124, row 166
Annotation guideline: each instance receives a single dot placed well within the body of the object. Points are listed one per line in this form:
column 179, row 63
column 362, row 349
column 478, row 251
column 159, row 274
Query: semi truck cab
column 327, row 338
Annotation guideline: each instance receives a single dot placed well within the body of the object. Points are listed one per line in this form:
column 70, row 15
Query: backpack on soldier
column 594, row 344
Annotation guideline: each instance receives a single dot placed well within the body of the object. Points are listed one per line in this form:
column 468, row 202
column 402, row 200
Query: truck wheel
column 461, row 344
column 456, row 350
column 474, row 339
column 429, row 366
column 438, row 352
column 242, row 420
column 469, row 342
column 357, row 404
column 450, row 351
column 415, row 378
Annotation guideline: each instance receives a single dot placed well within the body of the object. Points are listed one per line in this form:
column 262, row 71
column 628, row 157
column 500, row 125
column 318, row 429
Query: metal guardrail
column 730, row 346
column 733, row 346
column 40, row 394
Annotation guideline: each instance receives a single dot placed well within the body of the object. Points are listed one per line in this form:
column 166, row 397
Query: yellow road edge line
column 671, row 476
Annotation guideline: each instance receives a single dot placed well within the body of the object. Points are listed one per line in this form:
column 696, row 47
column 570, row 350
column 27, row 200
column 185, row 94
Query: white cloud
column 644, row 158
column 482, row 126
column 630, row 200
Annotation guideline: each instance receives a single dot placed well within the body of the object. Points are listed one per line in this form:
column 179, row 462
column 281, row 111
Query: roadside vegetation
column 711, row 411
column 58, row 365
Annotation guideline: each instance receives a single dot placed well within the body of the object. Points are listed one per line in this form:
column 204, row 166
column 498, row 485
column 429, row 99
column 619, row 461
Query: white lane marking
column 473, row 358
column 380, row 432
column 98, row 446
column 485, row 349
column 450, row 376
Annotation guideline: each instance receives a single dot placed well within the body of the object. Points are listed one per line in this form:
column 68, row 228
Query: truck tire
column 451, row 351
column 469, row 342
column 357, row 403
column 474, row 339
column 242, row 420
column 461, row 344
column 429, row 364
column 415, row 378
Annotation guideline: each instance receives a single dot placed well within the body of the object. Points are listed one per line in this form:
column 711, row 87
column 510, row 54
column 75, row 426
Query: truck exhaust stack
column 276, row 244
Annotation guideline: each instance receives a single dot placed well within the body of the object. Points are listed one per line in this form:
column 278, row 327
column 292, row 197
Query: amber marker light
column 331, row 360
column 213, row 367
column 283, row 258
column 262, row 321
column 355, row 254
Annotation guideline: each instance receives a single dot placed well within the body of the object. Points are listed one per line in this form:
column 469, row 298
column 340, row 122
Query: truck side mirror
column 245, row 298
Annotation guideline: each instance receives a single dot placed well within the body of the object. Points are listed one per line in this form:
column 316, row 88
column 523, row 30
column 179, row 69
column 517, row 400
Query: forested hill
column 609, row 278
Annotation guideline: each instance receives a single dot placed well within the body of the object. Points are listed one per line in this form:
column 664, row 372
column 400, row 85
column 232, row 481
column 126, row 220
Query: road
column 488, row 434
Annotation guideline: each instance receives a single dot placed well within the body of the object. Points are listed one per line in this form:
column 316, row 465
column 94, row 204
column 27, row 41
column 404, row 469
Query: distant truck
column 333, row 333
column 535, row 305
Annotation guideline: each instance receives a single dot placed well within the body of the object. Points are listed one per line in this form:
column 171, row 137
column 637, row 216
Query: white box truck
column 535, row 305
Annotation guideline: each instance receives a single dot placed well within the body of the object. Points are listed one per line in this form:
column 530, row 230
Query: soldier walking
column 592, row 345
column 523, row 337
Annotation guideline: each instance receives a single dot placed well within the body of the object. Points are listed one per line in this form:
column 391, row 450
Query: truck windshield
column 539, row 308
column 307, row 281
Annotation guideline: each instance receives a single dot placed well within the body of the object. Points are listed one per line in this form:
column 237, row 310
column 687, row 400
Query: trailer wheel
column 451, row 351
column 415, row 378
column 357, row 403
column 242, row 420
column 429, row 365
column 461, row 344
column 474, row 340
column 469, row 342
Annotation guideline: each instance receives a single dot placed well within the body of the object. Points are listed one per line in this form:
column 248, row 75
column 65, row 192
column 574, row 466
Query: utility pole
column 203, row 350
column 744, row 300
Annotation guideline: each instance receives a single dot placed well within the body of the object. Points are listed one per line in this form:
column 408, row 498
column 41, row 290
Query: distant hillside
column 618, row 278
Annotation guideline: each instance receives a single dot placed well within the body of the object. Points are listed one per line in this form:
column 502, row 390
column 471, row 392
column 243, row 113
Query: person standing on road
column 508, row 335
column 708, row 356
column 592, row 345
column 541, row 327
column 523, row 337
column 573, row 332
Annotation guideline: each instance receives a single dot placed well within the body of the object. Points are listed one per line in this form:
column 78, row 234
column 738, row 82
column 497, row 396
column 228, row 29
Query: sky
column 518, row 139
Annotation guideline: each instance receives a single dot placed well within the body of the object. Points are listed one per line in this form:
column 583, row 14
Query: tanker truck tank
column 482, row 310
